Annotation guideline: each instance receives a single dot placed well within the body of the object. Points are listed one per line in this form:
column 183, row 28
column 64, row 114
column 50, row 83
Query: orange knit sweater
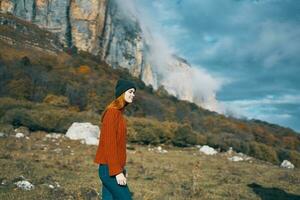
column 112, row 144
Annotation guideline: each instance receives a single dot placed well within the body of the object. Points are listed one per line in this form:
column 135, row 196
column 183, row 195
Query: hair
column 118, row 103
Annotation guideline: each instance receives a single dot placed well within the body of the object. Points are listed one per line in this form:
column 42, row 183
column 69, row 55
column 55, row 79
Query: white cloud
column 195, row 85
column 264, row 109
column 190, row 83
column 268, row 100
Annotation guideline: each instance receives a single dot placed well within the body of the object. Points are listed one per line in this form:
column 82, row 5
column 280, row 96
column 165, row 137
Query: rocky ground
column 38, row 165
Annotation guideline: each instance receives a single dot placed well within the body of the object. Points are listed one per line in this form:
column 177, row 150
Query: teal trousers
column 111, row 190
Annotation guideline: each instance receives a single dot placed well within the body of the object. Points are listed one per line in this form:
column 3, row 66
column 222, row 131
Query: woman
column 111, row 152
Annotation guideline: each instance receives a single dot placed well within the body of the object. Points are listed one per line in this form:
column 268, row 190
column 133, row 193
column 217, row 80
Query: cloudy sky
column 253, row 45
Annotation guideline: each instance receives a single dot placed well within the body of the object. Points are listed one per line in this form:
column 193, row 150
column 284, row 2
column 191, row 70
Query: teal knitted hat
column 122, row 86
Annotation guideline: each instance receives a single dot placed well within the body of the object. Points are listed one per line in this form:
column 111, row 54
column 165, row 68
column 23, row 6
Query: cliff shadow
column 273, row 193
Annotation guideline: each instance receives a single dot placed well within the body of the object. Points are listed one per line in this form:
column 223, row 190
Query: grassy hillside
column 47, row 89
column 63, row 169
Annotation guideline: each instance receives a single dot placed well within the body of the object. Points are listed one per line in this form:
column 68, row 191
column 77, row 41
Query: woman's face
column 129, row 94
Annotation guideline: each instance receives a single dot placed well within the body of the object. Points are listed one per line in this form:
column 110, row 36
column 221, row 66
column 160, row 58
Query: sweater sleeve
column 110, row 124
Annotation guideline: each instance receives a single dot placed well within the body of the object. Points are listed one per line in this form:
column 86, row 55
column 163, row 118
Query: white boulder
column 86, row 132
column 161, row 150
column 54, row 135
column 19, row 135
column 287, row 164
column 208, row 150
column 25, row 185
column 236, row 158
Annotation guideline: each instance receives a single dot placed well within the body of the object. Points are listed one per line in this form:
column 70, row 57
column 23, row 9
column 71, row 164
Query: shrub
column 10, row 103
column 283, row 154
column 149, row 131
column 25, row 61
column 84, row 69
column 147, row 136
column 161, row 91
column 291, row 142
column 182, row 111
column 45, row 118
column 162, row 134
column 38, row 93
column 295, row 158
column 238, row 145
column 96, row 103
column 201, row 139
column 77, row 95
column 245, row 147
column 131, row 134
column 56, row 100
column 151, row 106
column 263, row 152
column 20, row 88
column 184, row 136
column 213, row 140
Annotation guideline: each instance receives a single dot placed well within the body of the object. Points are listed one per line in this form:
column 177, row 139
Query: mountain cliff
column 101, row 28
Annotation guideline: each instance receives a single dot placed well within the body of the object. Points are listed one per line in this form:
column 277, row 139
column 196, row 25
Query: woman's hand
column 121, row 180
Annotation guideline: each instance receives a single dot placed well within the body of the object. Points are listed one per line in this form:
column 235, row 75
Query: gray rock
column 208, row 150
column 236, row 158
column 19, row 135
column 25, row 185
column 287, row 164
column 54, row 135
column 86, row 132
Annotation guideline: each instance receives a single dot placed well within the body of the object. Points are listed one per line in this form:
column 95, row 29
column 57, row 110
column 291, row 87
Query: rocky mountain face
column 18, row 33
column 102, row 28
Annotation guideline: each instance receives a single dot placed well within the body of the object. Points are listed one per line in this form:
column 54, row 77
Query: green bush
column 41, row 116
column 161, row 91
column 77, row 95
column 184, row 136
column 245, row 147
column 149, row 131
column 55, row 100
column 263, row 152
column 213, row 140
column 10, row 103
column 294, row 157
column 201, row 139
column 20, row 88
column 163, row 135
column 283, row 154
column 144, row 134
column 131, row 134
column 147, row 136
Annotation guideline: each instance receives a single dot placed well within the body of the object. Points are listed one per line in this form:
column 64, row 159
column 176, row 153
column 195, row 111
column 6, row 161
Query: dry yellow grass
column 177, row 174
